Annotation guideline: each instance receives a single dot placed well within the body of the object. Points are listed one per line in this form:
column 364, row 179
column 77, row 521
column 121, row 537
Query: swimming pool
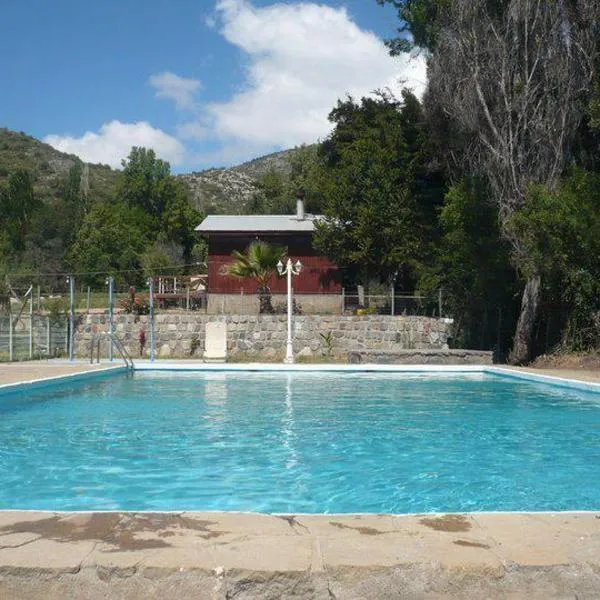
column 301, row 442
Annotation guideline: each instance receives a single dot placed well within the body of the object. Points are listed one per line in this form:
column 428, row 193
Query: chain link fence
column 32, row 336
column 393, row 304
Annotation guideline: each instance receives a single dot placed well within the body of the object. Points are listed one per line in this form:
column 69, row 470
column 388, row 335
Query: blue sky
column 205, row 82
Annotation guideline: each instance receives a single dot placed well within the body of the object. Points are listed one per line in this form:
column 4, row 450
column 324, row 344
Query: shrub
column 135, row 304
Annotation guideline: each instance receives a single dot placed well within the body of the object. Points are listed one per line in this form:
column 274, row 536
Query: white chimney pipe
column 300, row 209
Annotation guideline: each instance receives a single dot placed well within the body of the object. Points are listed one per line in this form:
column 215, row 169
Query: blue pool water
column 301, row 442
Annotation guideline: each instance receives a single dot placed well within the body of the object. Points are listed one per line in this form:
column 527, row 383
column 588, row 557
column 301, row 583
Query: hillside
column 48, row 166
column 229, row 190
column 219, row 190
column 211, row 191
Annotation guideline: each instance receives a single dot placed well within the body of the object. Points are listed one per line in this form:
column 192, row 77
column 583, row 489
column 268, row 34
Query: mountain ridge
column 213, row 190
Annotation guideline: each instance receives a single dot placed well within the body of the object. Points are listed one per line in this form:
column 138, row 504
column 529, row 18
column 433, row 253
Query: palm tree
column 260, row 263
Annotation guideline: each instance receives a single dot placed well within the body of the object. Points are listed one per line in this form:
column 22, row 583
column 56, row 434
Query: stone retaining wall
column 422, row 357
column 264, row 336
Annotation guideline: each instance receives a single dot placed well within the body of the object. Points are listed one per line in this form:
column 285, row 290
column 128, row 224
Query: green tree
column 259, row 262
column 561, row 230
column 472, row 266
column 278, row 189
column 178, row 222
column 18, row 204
column 371, row 224
column 514, row 78
column 163, row 203
column 273, row 195
column 111, row 240
column 419, row 26
column 306, row 177
column 161, row 258
column 146, row 183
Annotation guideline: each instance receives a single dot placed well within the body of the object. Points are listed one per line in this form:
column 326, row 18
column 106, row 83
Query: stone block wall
column 181, row 335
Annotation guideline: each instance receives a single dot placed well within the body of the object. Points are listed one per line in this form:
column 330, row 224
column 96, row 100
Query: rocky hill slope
column 212, row 190
column 48, row 166
column 229, row 190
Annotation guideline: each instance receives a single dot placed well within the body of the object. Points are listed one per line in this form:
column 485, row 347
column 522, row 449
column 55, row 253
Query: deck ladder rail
column 118, row 344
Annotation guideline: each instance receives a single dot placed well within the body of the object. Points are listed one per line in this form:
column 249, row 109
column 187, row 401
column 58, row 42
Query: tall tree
column 513, row 76
column 146, row 183
column 163, row 203
column 111, row 240
column 18, row 203
column 473, row 267
column 371, row 225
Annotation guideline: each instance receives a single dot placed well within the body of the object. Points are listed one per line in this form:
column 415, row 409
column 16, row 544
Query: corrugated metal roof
column 256, row 223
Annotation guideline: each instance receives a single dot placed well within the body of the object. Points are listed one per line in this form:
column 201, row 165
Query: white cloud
column 180, row 89
column 114, row 141
column 192, row 131
column 303, row 57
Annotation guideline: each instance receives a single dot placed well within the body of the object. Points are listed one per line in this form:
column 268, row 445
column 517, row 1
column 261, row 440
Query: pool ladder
column 117, row 343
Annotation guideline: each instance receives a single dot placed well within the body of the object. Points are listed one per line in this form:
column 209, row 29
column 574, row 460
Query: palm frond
column 258, row 262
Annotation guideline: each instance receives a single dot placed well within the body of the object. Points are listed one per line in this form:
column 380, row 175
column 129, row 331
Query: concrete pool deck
column 26, row 371
column 218, row 555
column 22, row 372
column 233, row 555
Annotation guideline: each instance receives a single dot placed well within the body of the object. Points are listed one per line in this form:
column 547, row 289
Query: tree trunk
column 521, row 351
column 266, row 306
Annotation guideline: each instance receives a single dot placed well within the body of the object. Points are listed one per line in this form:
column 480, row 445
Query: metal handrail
column 118, row 344
column 122, row 350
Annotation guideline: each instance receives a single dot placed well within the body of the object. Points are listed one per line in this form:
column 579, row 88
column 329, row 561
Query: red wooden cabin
column 319, row 277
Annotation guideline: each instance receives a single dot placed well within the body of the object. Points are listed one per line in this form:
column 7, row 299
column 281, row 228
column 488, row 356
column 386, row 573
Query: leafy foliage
column 259, row 262
column 137, row 304
column 418, row 24
column 373, row 225
column 111, row 240
column 278, row 189
column 472, row 267
column 562, row 233
column 513, row 87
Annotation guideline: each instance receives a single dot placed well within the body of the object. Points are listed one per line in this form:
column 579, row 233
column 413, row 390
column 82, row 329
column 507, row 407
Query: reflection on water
column 288, row 430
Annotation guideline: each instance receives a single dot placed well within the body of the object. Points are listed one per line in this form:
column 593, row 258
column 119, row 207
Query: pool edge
column 198, row 554
column 57, row 379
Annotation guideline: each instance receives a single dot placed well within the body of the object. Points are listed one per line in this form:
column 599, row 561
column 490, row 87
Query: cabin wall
column 318, row 275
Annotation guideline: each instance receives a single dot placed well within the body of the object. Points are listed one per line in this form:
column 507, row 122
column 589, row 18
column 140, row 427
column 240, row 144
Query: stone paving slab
column 34, row 370
column 223, row 555
column 577, row 374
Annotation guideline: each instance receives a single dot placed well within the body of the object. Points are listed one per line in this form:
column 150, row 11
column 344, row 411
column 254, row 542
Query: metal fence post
column 31, row 324
column 48, row 336
column 10, row 334
column 71, row 316
column 151, row 287
column 110, row 281
column 393, row 293
column 440, row 302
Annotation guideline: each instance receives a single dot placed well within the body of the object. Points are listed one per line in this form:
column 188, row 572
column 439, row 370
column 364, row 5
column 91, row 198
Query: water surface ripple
column 301, row 442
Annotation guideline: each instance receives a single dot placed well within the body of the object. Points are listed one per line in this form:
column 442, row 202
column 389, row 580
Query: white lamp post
column 289, row 270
